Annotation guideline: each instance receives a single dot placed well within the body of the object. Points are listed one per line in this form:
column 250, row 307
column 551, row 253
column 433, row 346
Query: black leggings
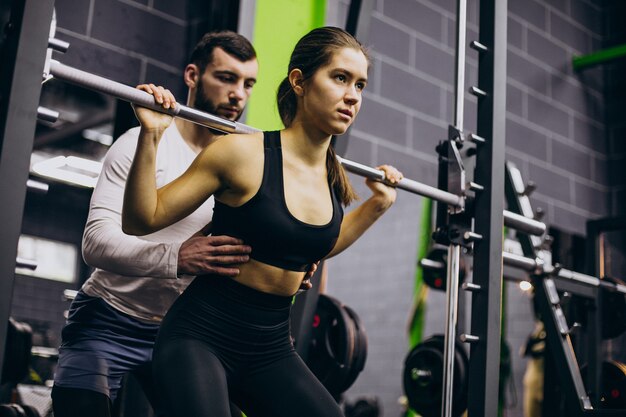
column 78, row 402
column 222, row 340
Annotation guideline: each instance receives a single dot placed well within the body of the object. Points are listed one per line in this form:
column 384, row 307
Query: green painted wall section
column 278, row 25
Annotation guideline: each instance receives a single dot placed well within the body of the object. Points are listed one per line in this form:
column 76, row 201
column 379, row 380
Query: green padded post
column 278, row 25
column 600, row 57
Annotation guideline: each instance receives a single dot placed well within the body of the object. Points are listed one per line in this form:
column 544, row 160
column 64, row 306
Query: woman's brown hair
column 312, row 52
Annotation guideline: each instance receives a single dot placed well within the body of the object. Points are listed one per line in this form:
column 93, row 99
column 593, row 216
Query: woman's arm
column 360, row 219
column 147, row 209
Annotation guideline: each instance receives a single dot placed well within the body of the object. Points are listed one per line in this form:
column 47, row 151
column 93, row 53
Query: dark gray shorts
column 100, row 345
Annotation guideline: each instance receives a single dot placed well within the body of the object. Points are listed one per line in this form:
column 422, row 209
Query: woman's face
column 332, row 96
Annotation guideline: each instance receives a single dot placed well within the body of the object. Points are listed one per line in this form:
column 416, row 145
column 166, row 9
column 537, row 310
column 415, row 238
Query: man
column 114, row 319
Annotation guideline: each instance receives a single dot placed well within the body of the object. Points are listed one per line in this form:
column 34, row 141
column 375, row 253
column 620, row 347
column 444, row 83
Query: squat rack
column 24, row 51
column 29, row 50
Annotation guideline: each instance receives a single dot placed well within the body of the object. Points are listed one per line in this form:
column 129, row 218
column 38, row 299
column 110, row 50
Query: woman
column 281, row 192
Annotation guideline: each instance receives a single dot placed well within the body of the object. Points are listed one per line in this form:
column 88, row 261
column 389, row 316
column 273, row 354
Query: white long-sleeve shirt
column 138, row 275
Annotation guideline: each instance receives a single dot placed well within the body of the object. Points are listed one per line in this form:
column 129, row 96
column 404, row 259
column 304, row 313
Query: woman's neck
column 308, row 145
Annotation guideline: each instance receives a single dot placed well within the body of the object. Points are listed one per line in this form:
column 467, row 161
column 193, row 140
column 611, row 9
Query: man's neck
column 196, row 136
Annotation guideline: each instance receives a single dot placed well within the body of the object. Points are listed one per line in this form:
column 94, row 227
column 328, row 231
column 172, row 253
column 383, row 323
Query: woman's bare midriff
column 268, row 278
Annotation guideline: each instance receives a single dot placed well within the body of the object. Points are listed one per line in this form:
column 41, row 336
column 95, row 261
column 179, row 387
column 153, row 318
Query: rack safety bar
column 537, row 265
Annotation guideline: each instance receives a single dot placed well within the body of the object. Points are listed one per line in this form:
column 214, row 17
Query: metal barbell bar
column 124, row 92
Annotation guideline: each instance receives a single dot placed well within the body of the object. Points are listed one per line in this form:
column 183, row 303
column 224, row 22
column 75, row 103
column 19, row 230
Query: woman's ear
column 192, row 75
column 296, row 79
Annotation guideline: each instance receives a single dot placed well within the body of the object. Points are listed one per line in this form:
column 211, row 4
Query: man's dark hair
column 231, row 42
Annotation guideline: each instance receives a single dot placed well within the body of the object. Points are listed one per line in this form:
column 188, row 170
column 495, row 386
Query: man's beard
column 204, row 104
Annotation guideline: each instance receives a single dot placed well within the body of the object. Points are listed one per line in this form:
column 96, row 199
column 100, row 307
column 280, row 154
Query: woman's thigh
column 190, row 379
column 285, row 388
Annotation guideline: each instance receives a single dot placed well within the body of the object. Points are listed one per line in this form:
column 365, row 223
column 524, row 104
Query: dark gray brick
column 521, row 69
column 600, row 171
column 426, row 136
column 473, row 11
column 470, row 115
column 617, row 173
column 568, row 221
column 560, row 5
column 173, row 8
column 416, row 16
column 388, row 40
column 619, row 202
column 576, row 97
column 593, row 78
column 550, row 183
column 569, row 34
column 143, row 33
column 520, row 162
column 590, row 135
column 418, row 170
column 526, row 140
column 100, row 61
column 410, row 90
column 591, row 199
column 571, row 159
column 449, row 5
column 530, row 11
column 72, row 15
column 515, row 33
column 544, row 49
column 615, row 108
column 358, row 150
column 173, row 81
column 547, row 115
column 515, row 100
column 382, row 121
column 470, row 34
column 434, row 61
column 587, row 15
column 471, row 74
column 618, row 140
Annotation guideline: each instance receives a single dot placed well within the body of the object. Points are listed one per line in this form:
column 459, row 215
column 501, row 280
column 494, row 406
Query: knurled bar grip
column 133, row 95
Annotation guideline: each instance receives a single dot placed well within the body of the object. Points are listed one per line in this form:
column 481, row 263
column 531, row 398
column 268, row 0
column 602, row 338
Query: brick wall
column 556, row 134
column 124, row 41
column 615, row 104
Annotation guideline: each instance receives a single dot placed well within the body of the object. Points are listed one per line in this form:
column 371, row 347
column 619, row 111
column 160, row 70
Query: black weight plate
column 423, row 378
column 332, row 344
column 360, row 355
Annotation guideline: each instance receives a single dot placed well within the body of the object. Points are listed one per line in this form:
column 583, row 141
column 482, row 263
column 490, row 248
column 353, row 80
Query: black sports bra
column 264, row 222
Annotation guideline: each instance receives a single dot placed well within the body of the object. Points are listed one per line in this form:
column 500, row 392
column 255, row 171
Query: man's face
column 225, row 85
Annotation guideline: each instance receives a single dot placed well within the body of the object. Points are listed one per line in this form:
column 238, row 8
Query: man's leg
column 78, row 402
